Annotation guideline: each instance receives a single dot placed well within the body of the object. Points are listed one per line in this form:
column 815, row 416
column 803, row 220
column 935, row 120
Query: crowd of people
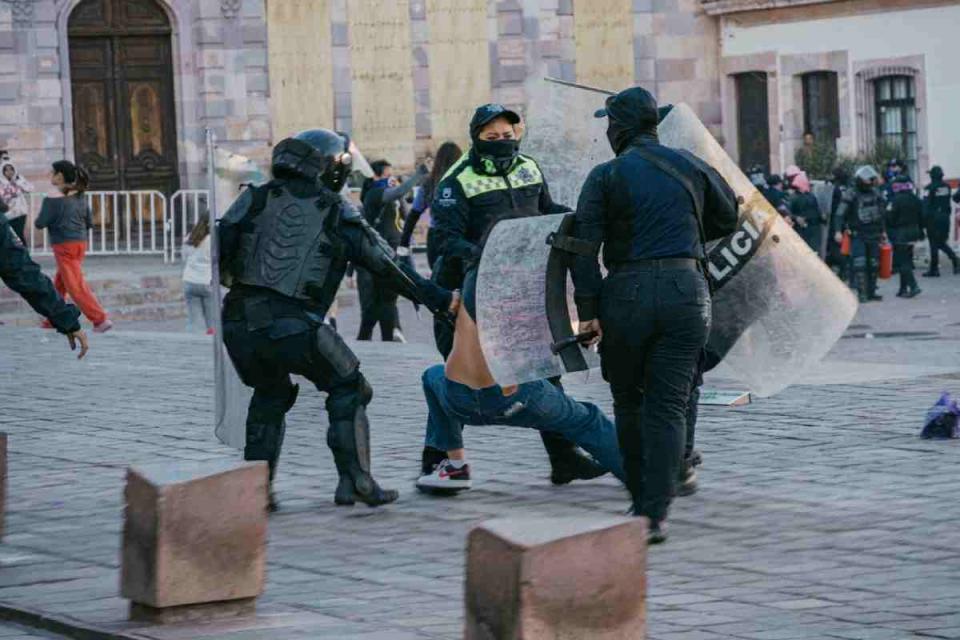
column 863, row 213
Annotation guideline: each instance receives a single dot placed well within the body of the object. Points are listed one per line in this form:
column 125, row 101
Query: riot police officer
column 490, row 182
column 284, row 250
column 904, row 226
column 653, row 208
column 862, row 213
column 937, row 220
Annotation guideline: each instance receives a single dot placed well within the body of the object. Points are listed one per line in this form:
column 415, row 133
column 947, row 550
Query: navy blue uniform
column 654, row 306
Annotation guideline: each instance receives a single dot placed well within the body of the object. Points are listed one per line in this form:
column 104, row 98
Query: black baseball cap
column 488, row 113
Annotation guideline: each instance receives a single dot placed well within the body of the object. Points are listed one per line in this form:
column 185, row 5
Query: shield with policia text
column 777, row 309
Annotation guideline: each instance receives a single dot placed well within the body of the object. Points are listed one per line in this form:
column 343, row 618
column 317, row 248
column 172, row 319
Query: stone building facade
column 128, row 86
column 206, row 61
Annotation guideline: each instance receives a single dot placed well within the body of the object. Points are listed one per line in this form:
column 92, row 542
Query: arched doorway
column 121, row 76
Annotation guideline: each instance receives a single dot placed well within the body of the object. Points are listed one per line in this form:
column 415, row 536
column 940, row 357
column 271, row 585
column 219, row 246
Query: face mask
column 497, row 155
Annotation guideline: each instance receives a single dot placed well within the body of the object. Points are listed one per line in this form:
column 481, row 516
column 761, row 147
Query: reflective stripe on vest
column 524, row 173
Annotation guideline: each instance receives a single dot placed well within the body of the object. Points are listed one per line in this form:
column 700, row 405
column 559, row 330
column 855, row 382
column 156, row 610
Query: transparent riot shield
column 512, row 309
column 232, row 397
column 783, row 309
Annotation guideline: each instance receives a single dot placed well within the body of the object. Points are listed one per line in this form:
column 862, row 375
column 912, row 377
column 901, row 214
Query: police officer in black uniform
column 862, row 212
column 284, row 248
column 19, row 272
column 937, row 220
column 491, row 182
column 653, row 207
column 904, row 227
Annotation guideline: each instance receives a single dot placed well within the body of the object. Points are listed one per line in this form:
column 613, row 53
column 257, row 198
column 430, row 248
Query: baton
column 559, row 346
column 576, row 85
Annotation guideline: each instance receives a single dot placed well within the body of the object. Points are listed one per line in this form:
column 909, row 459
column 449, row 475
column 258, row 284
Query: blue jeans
column 536, row 405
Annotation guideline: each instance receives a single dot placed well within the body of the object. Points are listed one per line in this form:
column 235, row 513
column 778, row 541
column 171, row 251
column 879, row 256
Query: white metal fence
column 124, row 223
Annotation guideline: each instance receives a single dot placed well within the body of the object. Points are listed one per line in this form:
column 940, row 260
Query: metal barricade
column 187, row 206
column 124, row 223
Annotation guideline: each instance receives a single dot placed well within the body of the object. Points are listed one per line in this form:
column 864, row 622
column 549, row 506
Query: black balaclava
column 497, row 156
column 631, row 114
column 936, row 173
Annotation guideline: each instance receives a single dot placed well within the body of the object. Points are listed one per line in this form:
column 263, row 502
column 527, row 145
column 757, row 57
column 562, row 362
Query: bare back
column 466, row 363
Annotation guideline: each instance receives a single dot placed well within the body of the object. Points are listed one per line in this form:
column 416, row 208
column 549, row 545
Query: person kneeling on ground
column 464, row 392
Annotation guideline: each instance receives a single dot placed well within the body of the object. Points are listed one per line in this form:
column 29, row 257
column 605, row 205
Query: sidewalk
column 821, row 514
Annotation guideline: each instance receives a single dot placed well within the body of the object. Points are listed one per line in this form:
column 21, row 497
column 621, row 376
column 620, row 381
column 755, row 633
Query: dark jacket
column 905, row 218
column 806, row 207
column 639, row 213
column 937, row 209
column 382, row 208
column 23, row 275
column 67, row 219
column 468, row 202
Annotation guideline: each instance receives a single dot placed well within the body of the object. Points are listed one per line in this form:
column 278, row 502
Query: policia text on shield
column 654, row 208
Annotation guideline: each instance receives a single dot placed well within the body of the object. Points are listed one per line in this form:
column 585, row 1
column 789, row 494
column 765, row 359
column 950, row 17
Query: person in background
column 904, row 227
column 835, row 258
column 805, row 211
column 197, row 279
column 937, row 221
column 381, row 208
column 23, row 276
column 447, row 156
column 862, row 212
column 775, row 194
column 67, row 220
column 14, row 190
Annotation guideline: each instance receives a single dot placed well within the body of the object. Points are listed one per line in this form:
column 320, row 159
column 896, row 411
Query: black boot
column 913, row 288
column 266, row 427
column 860, row 281
column 567, row 461
column 931, row 273
column 956, row 266
column 349, row 440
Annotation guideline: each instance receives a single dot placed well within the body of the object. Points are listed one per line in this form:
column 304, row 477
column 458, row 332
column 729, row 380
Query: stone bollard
column 3, row 482
column 557, row 579
column 194, row 540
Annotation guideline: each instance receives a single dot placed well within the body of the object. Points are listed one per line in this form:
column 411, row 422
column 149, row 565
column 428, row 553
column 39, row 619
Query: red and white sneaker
column 446, row 476
column 103, row 327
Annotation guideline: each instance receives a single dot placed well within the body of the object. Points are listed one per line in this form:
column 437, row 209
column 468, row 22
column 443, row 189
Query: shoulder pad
column 239, row 208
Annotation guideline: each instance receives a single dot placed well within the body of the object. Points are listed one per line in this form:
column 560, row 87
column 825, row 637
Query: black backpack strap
column 668, row 168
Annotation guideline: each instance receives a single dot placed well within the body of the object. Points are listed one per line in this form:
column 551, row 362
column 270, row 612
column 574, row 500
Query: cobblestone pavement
column 821, row 514
column 11, row 631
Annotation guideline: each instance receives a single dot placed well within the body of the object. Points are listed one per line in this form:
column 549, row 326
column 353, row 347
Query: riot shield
column 777, row 309
column 513, row 290
column 232, row 397
column 782, row 309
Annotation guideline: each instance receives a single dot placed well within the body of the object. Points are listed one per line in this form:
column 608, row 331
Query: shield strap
column 564, row 248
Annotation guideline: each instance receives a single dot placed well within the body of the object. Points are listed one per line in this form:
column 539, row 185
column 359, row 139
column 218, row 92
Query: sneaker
column 210, row 331
column 657, row 533
column 687, row 483
column 398, row 336
column 103, row 327
column 446, row 476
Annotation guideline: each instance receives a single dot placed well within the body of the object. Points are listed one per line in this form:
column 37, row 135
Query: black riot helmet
column 317, row 154
column 630, row 114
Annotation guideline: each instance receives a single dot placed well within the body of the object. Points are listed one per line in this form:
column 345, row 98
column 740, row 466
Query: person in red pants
column 68, row 220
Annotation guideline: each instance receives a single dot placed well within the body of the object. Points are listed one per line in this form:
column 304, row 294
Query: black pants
column 655, row 324
column 378, row 305
column 265, row 358
column 866, row 262
column 18, row 225
column 938, row 243
column 903, row 264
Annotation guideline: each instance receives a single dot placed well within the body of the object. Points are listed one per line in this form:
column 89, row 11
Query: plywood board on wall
column 301, row 73
column 459, row 72
column 382, row 79
column 603, row 35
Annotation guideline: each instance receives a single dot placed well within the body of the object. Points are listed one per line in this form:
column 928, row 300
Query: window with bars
column 896, row 109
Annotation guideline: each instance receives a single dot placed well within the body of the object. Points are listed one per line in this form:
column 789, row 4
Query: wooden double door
column 124, row 116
